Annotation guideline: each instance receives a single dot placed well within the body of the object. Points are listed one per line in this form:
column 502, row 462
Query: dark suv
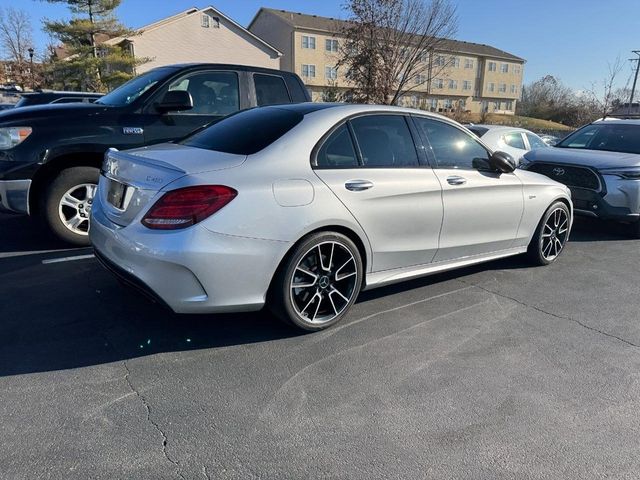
column 50, row 155
column 43, row 97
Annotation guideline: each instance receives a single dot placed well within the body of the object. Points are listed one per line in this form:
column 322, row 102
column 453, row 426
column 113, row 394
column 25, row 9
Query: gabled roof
column 332, row 25
column 191, row 11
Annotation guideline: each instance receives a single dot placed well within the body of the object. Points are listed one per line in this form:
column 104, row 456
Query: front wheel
column 318, row 282
column 66, row 204
column 551, row 235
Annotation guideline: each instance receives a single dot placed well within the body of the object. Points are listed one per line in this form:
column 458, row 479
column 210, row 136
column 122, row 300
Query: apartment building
column 198, row 35
column 469, row 76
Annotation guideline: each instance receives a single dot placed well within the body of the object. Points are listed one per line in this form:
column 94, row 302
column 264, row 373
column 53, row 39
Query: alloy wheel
column 324, row 282
column 554, row 234
column 75, row 207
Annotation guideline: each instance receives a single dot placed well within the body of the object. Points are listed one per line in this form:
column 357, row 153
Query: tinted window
column 134, row 88
column 213, row 93
column 479, row 131
column 535, row 141
column 610, row 137
column 270, row 90
column 515, row 140
column 246, row 132
column 451, row 147
column 337, row 151
column 385, row 141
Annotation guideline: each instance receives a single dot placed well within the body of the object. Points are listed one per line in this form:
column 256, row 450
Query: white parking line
column 67, row 259
column 36, row 252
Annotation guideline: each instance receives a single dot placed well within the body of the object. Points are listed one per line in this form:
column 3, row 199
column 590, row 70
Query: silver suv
column 600, row 163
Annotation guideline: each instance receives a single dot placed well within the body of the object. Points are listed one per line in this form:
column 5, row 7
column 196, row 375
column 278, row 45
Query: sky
column 573, row 40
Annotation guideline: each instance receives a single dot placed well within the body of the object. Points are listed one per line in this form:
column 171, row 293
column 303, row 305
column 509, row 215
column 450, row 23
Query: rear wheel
column 635, row 229
column 66, row 204
column 551, row 236
column 318, row 282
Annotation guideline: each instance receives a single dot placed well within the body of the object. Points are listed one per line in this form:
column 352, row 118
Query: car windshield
column 612, row 137
column 246, row 132
column 134, row 88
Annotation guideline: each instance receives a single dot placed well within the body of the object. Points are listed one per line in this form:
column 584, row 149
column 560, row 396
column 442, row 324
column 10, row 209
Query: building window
column 496, row 105
column 492, row 66
column 462, row 103
column 205, row 21
column 468, row 63
column 455, row 62
column 421, row 79
column 502, row 88
column 504, row 68
column 331, row 73
column 433, row 103
column 513, row 89
column 440, row 61
column 331, row 45
column 308, row 42
column 453, row 84
column 309, row 71
column 424, row 57
column 467, row 85
column 491, row 87
column 516, row 69
column 438, row 83
column 448, row 103
column 413, row 101
column 509, row 105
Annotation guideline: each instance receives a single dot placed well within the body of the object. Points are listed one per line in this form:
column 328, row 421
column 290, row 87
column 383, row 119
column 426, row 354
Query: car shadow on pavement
column 21, row 234
column 594, row 230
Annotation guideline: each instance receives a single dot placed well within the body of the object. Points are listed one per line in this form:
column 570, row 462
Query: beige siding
column 278, row 33
column 185, row 40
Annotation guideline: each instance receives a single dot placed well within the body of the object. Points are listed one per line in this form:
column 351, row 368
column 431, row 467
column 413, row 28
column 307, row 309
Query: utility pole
column 635, row 80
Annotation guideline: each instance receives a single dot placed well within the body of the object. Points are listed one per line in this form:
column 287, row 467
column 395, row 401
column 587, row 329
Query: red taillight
column 184, row 207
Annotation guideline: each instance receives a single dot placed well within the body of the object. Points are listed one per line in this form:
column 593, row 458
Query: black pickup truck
column 50, row 155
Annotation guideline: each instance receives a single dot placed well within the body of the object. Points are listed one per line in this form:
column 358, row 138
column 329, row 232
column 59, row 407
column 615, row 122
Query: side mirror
column 174, row 101
column 502, row 162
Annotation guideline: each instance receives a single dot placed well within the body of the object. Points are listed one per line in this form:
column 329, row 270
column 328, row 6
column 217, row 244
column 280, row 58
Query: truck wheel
column 66, row 204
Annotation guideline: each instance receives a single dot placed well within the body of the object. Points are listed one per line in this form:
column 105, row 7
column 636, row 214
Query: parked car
column 50, row 155
column 50, row 96
column 515, row 141
column 302, row 206
column 550, row 140
column 601, row 164
column 6, row 106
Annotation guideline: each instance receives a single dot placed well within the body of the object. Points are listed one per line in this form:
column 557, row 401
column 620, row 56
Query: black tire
column 635, row 230
column 51, row 209
column 536, row 249
column 334, row 249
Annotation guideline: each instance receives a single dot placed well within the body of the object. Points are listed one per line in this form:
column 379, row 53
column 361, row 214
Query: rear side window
column 515, row 140
column 246, row 132
column 270, row 90
column 385, row 141
column 338, row 151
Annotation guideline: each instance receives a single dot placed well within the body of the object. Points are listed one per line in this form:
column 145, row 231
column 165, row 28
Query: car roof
column 496, row 128
column 224, row 66
column 618, row 121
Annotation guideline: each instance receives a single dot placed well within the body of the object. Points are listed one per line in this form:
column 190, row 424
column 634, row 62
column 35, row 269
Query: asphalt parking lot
column 496, row 371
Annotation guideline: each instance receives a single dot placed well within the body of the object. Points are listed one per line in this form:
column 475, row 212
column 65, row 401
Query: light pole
column 30, row 50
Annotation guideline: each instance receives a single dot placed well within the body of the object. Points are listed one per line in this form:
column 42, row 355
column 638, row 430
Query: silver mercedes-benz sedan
column 300, row 207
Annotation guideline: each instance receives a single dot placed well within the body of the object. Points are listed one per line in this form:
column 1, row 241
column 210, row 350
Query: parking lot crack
column 555, row 315
column 147, row 407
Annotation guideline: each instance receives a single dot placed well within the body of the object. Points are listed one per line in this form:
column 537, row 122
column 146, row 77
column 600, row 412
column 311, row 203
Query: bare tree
column 15, row 40
column 604, row 94
column 391, row 46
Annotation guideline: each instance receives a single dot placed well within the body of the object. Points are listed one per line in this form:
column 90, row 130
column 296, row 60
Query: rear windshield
column 246, row 132
column 479, row 131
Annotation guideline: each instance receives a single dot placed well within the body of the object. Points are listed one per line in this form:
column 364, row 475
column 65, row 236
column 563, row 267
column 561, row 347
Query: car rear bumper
column 14, row 195
column 192, row 270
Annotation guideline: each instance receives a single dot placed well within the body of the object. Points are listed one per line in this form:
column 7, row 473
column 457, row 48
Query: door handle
column 358, row 185
column 455, row 180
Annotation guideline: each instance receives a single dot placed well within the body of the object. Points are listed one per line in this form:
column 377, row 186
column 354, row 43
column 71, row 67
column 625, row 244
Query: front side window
column 270, row 90
column 450, row 146
column 337, row 151
column 514, row 139
column 213, row 93
column 135, row 88
column 385, row 141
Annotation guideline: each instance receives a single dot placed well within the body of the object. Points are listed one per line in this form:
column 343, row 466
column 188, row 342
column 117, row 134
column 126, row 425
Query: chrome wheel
column 554, row 234
column 75, row 207
column 324, row 282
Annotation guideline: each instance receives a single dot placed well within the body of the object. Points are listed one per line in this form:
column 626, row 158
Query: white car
column 300, row 207
column 512, row 140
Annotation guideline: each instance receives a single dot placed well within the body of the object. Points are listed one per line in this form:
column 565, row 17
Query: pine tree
column 89, row 63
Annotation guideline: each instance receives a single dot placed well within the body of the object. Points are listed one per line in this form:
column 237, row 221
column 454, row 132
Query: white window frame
column 513, row 89
column 491, row 87
column 455, row 62
column 205, row 21
column 504, row 68
column 310, row 67
column 330, row 72
column 468, row 63
column 329, row 44
column 502, row 88
column 467, row 85
column 453, row 84
column 492, row 66
column 438, row 83
column 310, row 41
